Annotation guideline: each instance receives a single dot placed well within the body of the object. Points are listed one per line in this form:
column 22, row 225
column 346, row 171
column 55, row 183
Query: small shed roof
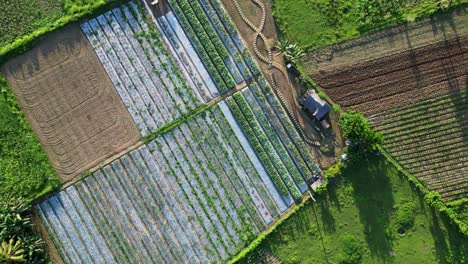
column 314, row 104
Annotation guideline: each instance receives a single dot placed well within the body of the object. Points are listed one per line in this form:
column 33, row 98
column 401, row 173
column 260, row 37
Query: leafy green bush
column 358, row 129
column 24, row 167
column 352, row 250
column 404, row 216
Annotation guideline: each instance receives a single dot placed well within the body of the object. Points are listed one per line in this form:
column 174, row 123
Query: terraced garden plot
column 155, row 71
column 398, row 79
column 274, row 138
column 70, row 102
column 195, row 195
column 430, row 140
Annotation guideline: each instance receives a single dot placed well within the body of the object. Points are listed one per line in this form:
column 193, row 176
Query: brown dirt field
column 289, row 88
column 70, row 102
column 399, row 79
column 397, row 39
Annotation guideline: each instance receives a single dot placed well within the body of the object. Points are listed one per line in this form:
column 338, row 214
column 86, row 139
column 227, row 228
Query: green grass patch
column 357, row 221
column 22, row 22
column 25, row 170
column 318, row 23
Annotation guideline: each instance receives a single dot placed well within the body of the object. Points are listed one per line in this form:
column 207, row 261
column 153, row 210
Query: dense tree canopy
column 358, row 130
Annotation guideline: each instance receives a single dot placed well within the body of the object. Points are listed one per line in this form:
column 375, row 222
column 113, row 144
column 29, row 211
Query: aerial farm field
column 198, row 192
column 146, row 132
column 69, row 101
column 394, row 67
column 429, row 139
column 411, row 82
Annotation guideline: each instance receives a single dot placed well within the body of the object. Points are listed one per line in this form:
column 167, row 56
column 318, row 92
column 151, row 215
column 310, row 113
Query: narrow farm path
column 268, row 59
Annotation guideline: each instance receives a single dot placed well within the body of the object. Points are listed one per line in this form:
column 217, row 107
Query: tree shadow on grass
column 450, row 245
column 374, row 198
column 328, row 221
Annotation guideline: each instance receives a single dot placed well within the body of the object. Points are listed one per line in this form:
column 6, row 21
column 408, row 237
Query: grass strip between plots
column 24, row 167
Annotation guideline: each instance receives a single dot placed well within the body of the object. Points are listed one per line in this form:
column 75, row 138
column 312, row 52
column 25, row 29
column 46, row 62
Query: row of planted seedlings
column 449, row 185
column 454, row 179
column 429, row 103
column 432, row 153
column 231, row 195
column 440, row 160
column 227, row 38
column 179, row 192
column 440, row 165
column 246, row 153
column 403, row 117
column 264, row 149
column 287, row 134
column 142, row 28
column 253, row 176
column 429, row 146
column 139, row 98
column 181, row 183
column 82, row 246
column 150, row 87
column 438, row 171
column 174, row 41
column 247, row 99
column 112, row 184
column 228, row 218
column 209, row 53
column 257, row 200
column 208, row 198
column 410, row 138
column 209, row 29
column 233, row 34
column 266, row 97
column 436, row 112
column 422, row 126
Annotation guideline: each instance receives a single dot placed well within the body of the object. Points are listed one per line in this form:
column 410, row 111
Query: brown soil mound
column 70, row 102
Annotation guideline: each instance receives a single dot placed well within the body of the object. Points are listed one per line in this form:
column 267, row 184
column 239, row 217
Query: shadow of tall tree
column 374, row 199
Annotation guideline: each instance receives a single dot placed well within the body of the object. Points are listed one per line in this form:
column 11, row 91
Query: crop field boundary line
column 143, row 141
column 24, row 43
column 436, row 201
column 265, row 233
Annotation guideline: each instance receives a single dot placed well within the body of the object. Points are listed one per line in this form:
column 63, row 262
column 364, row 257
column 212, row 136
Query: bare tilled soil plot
column 70, row 102
column 399, row 79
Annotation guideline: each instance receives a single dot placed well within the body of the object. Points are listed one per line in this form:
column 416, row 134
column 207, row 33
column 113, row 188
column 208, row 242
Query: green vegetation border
column 432, row 198
column 24, row 43
column 253, row 245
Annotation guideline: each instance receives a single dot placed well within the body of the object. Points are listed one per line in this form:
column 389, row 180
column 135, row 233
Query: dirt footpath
column 287, row 86
column 70, row 102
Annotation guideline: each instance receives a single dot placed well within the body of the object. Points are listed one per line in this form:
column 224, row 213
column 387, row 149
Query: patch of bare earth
column 288, row 87
column 70, row 102
column 397, row 66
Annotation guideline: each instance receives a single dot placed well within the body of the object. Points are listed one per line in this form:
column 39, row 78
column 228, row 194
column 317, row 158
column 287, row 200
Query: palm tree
column 12, row 252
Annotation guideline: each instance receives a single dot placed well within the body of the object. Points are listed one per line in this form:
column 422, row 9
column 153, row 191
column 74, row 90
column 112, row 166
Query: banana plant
column 291, row 52
column 12, row 251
